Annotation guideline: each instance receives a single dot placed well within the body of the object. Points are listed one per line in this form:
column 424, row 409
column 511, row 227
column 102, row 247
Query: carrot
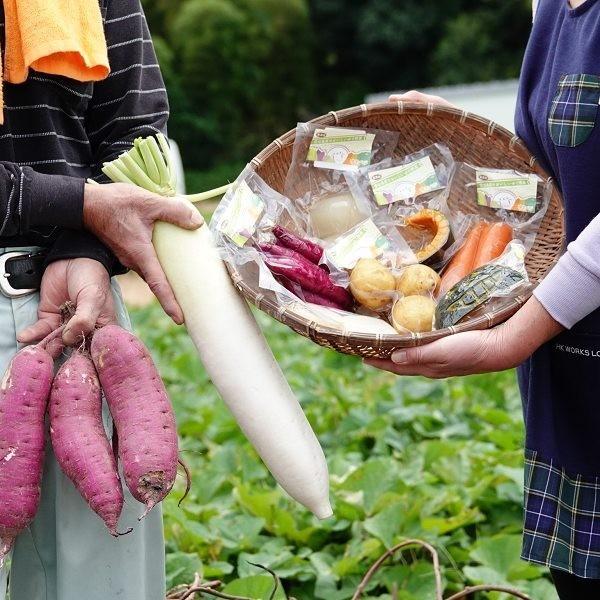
column 462, row 262
column 24, row 395
column 141, row 411
column 80, row 444
column 485, row 242
column 493, row 242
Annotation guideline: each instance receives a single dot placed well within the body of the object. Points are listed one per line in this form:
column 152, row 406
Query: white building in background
column 495, row 100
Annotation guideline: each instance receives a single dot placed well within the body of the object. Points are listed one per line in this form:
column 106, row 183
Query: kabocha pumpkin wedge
column 472, row 291
column 431, row 231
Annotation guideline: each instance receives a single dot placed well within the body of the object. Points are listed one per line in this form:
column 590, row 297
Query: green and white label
column 340, row 149
column 364, row 241
column 404, row 181
column 241, row 216
column 508, row 190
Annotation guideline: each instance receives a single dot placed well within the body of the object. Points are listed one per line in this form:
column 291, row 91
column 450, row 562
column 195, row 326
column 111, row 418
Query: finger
column 39, row 330
column 420, row 98
column 410, row 96
column 88, row 304
column 407, row 370
column 177, row 212
column 151, row 271
column 108, row 315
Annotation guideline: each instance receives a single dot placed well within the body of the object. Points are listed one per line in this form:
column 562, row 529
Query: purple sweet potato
column 288, row 263
column 306, row 248
column 306, row 295
column 24, row 395
column 141, row 411
column 80, row 444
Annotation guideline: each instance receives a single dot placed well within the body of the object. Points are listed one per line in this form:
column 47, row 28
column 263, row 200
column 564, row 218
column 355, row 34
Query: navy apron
column 557, row 114
column 560, row 388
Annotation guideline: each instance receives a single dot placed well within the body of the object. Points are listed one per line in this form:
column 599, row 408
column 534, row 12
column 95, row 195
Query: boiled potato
column 414, row 313
column 372, row 284
column 417, row 280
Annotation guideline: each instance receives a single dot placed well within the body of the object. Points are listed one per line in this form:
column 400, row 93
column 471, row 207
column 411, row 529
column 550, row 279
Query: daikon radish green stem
column 231, row 345
column 200, row 197
column 148, row 165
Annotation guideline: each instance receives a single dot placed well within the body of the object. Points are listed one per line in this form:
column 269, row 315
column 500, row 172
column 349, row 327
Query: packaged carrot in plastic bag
column 519, row 200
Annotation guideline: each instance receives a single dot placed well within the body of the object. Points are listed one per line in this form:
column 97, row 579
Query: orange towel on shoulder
column 59, row 37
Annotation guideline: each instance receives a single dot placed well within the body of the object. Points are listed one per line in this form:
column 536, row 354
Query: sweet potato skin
column 141, row 411
column 24, row 395
column 295, row 267
column 79, row 441
column 306, row 248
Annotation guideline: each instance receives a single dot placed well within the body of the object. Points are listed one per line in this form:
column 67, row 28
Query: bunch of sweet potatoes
column 118, row 365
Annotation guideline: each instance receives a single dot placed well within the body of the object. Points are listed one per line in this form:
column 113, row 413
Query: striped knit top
column 58, row 131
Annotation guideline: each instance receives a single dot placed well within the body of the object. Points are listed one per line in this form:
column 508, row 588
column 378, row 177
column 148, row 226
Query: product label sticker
column 508, row 190
column 404, row 181
column 340, row 149
column 364, row 241
column 241, row 216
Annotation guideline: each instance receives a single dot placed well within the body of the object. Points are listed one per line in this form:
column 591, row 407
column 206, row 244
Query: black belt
column 21, row 272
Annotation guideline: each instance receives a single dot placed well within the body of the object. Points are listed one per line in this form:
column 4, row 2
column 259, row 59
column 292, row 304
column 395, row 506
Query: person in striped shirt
column 57, row 133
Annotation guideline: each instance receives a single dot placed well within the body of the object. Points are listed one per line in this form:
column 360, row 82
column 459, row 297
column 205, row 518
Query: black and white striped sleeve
column 29, row 200
column 132, row 101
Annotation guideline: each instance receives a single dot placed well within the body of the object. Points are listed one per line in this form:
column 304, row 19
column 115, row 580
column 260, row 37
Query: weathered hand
column 502, row 347
column 85, row 283
column 123, row 217
column 420, row 98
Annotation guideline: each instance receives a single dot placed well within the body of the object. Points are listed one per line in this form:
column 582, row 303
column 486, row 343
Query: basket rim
column 387, row 341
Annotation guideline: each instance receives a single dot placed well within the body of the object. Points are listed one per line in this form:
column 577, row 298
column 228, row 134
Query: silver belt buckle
column 5, row 288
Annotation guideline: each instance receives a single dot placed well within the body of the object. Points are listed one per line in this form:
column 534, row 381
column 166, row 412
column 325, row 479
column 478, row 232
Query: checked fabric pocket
column 574, row 108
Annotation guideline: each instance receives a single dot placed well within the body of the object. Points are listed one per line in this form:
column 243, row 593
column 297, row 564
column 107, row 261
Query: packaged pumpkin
column 427, row 231
column 480, row 289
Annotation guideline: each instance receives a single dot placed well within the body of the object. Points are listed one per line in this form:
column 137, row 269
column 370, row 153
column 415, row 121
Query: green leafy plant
column 409, row 458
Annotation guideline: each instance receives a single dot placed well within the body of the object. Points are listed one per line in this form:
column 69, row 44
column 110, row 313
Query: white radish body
column 241, row 364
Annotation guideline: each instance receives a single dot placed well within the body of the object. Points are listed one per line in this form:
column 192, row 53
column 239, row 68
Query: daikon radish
column 240, row 363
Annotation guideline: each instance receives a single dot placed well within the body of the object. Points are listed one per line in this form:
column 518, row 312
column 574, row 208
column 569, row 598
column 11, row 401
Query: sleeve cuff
column 569, row 292
column 56, row 200
column 81, row 244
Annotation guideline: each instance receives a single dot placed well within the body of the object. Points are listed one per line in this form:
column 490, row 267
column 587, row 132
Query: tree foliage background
column 241, row 72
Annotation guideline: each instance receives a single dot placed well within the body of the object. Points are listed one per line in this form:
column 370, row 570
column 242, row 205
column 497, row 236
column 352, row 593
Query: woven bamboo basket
column 472, row 139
